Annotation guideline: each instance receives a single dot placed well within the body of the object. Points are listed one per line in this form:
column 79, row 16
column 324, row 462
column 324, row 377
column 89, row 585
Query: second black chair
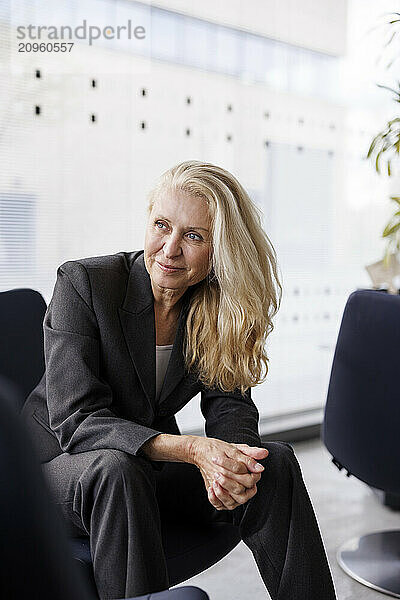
column 361, row 425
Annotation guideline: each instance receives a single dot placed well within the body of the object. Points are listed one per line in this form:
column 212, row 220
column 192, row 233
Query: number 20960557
column 45, row 46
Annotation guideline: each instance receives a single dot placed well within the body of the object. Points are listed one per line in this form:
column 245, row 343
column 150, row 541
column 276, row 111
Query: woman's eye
column 160, row 225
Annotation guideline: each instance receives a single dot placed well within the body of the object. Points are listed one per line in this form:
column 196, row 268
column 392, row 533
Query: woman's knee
column 280, row 455
column 116, row 465
column 278, row 448
column 113, row 477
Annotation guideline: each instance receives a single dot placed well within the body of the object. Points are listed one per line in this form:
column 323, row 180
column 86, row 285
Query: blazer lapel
column 137, row 320
column 138, row 323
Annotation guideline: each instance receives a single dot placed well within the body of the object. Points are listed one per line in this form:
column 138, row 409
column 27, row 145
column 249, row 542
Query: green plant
column 386, row 147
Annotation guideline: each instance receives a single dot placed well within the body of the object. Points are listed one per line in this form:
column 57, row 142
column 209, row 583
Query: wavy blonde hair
column 231, row 310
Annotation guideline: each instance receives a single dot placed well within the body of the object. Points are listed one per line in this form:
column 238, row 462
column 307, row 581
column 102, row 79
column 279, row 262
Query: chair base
column 374, row 561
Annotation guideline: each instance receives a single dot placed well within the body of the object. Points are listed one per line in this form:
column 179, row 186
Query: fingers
column 230, row 471
column 230, row 488
column 228, row 502
column 230, row 485
column 237, row 462
column 214, row 500
column 210, row 492
column 230, row 464
column 238, row 456
column 254, row 451
column 242, row 498
column 236, row 485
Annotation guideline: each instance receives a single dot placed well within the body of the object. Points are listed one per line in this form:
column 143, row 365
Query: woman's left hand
column 224, row 493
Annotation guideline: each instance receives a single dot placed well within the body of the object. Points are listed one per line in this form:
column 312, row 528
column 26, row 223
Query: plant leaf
column 390, row 40
column 390, row 229
column 377, row 161
column 385, row 87
column 373, row 144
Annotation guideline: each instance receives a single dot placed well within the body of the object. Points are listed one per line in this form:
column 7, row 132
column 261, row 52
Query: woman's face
column 178, row 233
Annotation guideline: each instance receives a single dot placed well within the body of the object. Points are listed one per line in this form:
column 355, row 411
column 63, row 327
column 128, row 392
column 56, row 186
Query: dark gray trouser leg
column 110, row 495
column 279, row 526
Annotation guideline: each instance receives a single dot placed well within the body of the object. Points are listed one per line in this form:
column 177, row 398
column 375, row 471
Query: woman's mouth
column 168, row 269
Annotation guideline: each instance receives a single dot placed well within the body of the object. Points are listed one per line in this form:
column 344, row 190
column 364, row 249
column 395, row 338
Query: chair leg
column 374, row 561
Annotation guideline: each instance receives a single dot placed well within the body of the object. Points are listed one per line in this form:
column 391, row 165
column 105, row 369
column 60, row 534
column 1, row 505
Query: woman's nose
column 172, row 247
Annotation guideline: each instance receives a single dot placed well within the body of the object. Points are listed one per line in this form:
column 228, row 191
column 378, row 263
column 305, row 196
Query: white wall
column 87, row 182
column 316, row 25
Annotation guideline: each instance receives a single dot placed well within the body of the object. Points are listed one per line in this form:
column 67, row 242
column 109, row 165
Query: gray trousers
column 120, row 501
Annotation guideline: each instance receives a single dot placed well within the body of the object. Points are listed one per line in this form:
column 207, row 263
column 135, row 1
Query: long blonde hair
column 231, row 310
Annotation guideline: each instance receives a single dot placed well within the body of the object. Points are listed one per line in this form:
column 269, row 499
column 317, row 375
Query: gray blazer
column 99, row 385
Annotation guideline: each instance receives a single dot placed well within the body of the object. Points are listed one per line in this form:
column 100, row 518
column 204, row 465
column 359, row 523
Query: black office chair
column 35, row 559
column 361, row 425
column 21, row 351
column 189, row 549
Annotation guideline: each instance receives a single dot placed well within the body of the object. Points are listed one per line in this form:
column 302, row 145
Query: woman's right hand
column 230, row 473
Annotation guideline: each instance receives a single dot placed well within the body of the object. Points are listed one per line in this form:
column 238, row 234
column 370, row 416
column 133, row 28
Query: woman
column 129, row 339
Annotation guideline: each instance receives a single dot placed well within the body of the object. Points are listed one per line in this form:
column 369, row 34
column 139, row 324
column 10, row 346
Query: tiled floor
column 345, row 508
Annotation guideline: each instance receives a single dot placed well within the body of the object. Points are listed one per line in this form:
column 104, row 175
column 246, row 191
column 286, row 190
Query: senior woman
column 129, row 339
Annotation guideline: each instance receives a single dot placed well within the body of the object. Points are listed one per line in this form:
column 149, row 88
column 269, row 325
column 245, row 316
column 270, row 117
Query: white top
column 163, row 354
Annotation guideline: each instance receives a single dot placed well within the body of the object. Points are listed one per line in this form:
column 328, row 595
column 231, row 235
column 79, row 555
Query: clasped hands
column 230, row 471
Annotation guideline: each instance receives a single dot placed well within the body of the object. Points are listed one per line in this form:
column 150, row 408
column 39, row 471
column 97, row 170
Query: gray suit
column 95, row 407
column 99, row 387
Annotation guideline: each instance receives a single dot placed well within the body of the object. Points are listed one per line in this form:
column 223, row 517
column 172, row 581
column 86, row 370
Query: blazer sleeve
column 230, row 417
column 79, row 401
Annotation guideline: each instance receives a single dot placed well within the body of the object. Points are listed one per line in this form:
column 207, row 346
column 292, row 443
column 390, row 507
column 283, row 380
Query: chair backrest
column 362, row 413
column 35, row 557
column 21, row 332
